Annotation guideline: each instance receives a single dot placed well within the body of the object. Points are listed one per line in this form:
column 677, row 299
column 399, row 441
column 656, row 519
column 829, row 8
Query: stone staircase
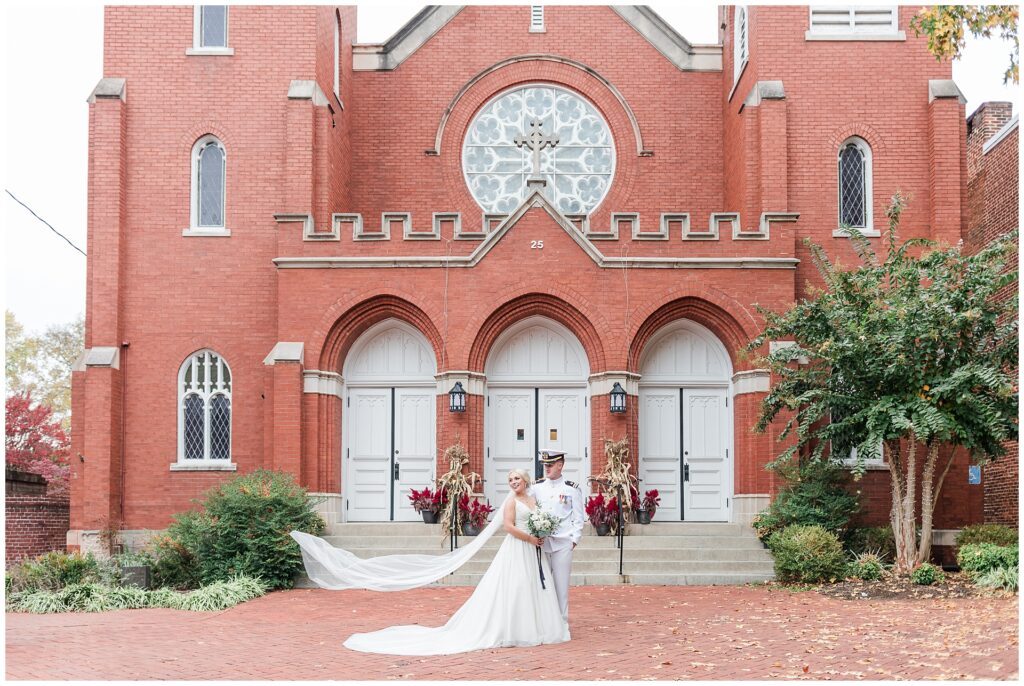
column 660, row 553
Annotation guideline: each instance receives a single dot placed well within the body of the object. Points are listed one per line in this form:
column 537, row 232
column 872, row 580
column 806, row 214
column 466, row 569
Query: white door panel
column 414, row 446
column 659, row 450
column 563, row 427
column 706, row 431
column 368, row 486
column 510, row 434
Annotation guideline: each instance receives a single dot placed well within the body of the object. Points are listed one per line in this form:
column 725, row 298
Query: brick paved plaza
column 619, row 632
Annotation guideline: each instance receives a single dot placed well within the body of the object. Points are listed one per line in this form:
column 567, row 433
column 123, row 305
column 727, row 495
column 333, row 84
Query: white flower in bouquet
column 541, row 523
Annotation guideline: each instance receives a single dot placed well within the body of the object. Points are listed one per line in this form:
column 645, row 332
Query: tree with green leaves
column 913, row 357
column 41, row 364
column 944, row 25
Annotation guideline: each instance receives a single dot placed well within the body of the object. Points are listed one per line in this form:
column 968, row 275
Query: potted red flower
column 601, row 513
column 648, row 506
column 473, row 514
column 426, row 503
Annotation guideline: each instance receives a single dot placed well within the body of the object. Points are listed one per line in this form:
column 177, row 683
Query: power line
column 47, row 223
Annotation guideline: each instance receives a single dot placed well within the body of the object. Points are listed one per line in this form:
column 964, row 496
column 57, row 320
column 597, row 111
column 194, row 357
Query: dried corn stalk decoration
column 615, row 476
column 455, row 484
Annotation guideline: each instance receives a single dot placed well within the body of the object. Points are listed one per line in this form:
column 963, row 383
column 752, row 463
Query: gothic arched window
column 855, row 184
column 204, row 408
column 209, row 166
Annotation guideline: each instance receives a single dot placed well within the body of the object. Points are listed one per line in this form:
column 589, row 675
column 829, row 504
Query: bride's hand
column 536, row 541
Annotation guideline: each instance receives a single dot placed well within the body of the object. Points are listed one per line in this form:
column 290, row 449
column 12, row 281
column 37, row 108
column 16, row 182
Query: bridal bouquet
column 541, row 524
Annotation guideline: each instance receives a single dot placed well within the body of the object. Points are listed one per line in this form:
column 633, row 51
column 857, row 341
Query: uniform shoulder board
column 572, row 483
column 540, row 481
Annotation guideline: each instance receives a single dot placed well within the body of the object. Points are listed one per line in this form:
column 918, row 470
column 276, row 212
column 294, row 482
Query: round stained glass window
column 576, row 156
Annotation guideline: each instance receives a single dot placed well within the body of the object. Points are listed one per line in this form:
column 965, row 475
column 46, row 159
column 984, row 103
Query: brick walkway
column 618, row 633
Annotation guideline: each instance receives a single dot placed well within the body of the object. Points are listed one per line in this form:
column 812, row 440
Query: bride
column 509, row 607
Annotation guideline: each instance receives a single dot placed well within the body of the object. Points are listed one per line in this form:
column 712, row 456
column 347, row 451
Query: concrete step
column 585, row 554
column 652, row 529
column 765, row 566
column 436, row 543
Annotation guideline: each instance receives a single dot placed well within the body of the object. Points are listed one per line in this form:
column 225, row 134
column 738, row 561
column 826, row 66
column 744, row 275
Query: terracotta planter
column 429, row 517
column 643, row 516
column 603, row 529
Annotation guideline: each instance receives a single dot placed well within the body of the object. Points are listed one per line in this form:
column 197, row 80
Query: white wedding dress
column 508, row 608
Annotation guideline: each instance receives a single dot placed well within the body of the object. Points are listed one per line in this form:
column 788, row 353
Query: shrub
column 997, row 534
column 976, row 559
column 814, row 495
column 867, row 566
column 926, row 574
column 175, row 554
column 808, row 554
column 1000, row 577
column 92, row 597
column 53, row 571
column 243, row 529
column 872, row 539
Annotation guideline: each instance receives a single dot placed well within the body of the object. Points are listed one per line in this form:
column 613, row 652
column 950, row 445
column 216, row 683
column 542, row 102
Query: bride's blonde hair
column 525, row 475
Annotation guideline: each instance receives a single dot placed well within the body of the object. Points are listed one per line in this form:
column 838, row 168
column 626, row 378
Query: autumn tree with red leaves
column 36, row 442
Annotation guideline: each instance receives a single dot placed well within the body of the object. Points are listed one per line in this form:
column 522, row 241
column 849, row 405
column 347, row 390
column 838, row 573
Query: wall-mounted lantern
column 457, row 398
column 618, row 399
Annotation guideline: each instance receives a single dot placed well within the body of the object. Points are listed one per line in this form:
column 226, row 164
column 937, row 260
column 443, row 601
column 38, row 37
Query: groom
column 564, row 499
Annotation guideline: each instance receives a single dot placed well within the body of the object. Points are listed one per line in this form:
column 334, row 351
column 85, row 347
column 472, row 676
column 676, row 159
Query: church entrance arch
column 686, row 423
column 537, row 374
column 389, row 436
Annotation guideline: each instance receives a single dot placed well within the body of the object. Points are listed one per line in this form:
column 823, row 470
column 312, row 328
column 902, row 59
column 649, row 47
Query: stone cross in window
column 536, row 141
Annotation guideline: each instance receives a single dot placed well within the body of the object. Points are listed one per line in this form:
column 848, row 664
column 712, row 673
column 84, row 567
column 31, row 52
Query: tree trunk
column 924, row 549
column 903, row 507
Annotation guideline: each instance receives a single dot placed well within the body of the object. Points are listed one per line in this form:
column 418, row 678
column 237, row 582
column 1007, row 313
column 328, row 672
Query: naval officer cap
column 551, row 456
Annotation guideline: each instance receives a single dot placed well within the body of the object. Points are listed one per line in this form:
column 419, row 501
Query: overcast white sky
column 53, row 59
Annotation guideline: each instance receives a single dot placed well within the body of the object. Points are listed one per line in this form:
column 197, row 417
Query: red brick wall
column 35, row 524
column 993, row 199
column 368, row 154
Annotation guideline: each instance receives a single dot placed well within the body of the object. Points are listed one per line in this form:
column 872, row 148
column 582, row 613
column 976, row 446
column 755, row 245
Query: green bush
column 813, row 495
column 242, row 529
column 997, row 534
column 976, row 559
column 1000, row 577
column 867, row 566
column 93, row 597
column 872, row 539
column 52, row 572
column 926, row 574
column 807, row 554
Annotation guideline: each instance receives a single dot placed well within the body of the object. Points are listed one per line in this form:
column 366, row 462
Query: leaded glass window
column 211, row 184
column 854, row 184
column 204, row 391
column 213, row 26
column 740, row 42
column 578, row 168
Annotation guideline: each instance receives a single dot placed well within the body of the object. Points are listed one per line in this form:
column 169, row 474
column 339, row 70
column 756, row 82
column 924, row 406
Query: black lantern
column 457, row 398
column 618, row 399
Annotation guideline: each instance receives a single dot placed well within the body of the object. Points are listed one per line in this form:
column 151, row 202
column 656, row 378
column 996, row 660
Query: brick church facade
column 299, row 245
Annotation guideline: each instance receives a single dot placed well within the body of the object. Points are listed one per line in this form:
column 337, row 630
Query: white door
column 414, row 446
column 563, row 427
column 660, row 462
column 384, row 466
column 706, row 432
column 368, row 486
column 511, row 441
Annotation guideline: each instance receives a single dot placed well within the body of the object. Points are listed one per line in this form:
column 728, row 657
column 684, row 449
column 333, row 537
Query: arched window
column 855, row 184
column 740, row 42
column 209, row 165
column 204, row 409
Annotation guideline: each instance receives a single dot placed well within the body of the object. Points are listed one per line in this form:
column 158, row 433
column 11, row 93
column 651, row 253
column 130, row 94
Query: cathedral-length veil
column 336, row 569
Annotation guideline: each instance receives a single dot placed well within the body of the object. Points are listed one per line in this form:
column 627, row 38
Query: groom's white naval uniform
column 564, row 499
